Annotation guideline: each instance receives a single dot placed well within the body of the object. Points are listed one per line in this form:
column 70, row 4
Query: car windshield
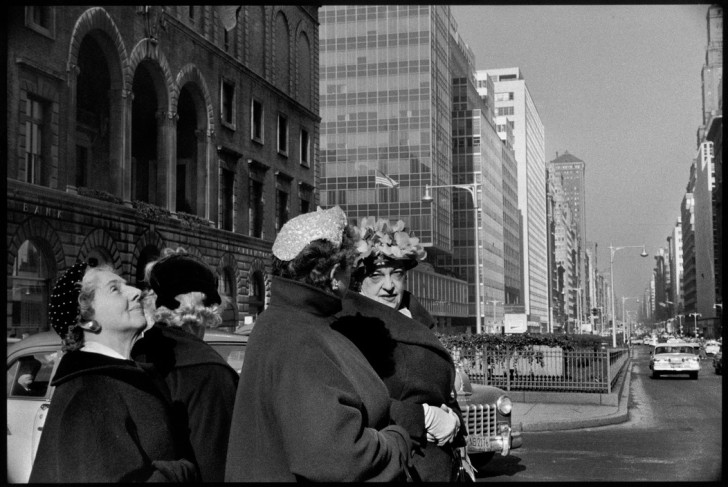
column 675, row 349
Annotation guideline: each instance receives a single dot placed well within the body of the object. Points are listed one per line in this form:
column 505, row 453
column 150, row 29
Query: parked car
column 718, row 360
column 675, row 358
column 487, row 418
column 31, row 364
column 711, row 347
column 637, row 341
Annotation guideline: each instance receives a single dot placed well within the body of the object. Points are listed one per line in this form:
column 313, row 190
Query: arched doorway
column 93, row 116
column 29, row 290
column 256, row 302
column 227, row 288
column 145, row 159
column 150, row 253
column 191, row 177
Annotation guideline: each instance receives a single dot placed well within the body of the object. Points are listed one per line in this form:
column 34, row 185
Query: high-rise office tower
column 386, row 130
column 572, row 170
column 477, row 156
column 515, row 107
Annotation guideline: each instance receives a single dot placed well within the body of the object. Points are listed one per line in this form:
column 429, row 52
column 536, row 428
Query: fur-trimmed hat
column 181, row 274
column 63, row 308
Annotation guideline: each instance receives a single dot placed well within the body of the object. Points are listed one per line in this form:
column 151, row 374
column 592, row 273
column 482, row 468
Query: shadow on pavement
column 500, row 466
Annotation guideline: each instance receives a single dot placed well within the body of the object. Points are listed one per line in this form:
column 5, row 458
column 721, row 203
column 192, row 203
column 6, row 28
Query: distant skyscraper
column 572, row 170
column 515, row 107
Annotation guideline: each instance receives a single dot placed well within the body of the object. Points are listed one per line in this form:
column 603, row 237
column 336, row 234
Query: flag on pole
column 384, row 180
column 228, row 15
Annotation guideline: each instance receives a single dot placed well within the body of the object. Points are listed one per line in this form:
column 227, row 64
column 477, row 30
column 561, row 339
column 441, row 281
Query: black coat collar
column 304, row 297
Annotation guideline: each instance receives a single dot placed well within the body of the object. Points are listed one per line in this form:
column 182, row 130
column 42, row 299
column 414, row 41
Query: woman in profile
column 109, row 420
column 309, row 407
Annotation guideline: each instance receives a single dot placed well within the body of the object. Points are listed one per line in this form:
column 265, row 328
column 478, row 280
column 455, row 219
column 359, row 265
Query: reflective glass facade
column 385, row 106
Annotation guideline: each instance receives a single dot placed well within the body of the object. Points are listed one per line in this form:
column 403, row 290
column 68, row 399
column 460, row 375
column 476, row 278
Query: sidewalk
column 563, row 416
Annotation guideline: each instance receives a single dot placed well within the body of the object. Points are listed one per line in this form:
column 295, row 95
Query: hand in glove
column 442, row 424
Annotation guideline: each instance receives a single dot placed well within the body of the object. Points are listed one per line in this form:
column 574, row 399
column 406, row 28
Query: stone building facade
column 135, row 128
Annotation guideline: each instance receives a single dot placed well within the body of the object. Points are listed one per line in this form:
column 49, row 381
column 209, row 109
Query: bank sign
column 515, row 323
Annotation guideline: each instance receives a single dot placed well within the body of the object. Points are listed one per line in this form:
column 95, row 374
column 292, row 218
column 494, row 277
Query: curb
column 620, row 416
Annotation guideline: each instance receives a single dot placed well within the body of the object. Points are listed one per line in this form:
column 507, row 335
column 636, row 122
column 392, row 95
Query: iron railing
column 541, row 368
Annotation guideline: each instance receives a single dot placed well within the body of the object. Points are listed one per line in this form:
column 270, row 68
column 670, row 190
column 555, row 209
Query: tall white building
column 676, row 266
column 515, row 107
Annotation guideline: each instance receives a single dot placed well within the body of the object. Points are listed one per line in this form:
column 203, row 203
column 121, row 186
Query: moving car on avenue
column 675, row 358
column 711, row 347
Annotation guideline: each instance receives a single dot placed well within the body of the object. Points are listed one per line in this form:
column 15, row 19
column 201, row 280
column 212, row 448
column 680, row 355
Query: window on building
column 191, row 12
column 305, row 148
column 227, row 184
column 305, row 196
column 29, row 291
column 40, row 19
column 227, row 103
column 255, row 208
column 256, row 121
column 281, row 208
column 34, row 140
column 81, row 165
column 282, row 134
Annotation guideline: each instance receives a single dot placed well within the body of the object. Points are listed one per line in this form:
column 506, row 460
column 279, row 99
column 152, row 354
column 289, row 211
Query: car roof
column 51, row 338
column 677, row 344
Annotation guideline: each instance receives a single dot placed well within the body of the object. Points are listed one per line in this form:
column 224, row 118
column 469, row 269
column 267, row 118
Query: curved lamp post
column 472, row 188
column 612, row 251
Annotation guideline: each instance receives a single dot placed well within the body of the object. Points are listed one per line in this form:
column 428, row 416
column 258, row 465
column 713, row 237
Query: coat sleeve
column 104, row 445
column 410, row 416
column 210, row 410
column 324, row 430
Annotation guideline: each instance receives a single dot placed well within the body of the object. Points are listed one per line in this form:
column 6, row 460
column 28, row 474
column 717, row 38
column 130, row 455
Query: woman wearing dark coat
column 183, row 302
column 411, row 361
column 309, row 407
column 109, row 420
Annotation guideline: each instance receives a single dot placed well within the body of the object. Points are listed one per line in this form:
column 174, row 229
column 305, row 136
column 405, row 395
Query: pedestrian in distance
column 309, row 407
column 393, row 330
column 109, row 420
column 182, row 302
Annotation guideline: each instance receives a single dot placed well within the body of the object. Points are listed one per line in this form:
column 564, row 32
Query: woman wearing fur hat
column 183, row 301
column 416, row 368
column 109, row 420
column 309, row 407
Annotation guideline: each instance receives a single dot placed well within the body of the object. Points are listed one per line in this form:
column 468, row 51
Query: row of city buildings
column 684, row 294
column 135, row 128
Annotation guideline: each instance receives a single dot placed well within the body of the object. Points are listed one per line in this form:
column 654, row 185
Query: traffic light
column 595, row 311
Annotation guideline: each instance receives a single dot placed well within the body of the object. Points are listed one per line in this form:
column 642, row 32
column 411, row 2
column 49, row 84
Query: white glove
column 442, row 424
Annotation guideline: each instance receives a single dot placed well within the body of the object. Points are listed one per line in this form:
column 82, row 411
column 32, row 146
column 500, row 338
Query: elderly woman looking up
column 420, row 374
column 309, row 407
column 108, row 420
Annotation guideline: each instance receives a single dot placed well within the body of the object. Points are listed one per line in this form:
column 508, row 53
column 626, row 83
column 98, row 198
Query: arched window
column 256, row 303
column 29, row 291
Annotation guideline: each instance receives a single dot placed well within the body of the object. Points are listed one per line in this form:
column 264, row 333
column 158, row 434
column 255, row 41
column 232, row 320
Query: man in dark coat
column 201, row 382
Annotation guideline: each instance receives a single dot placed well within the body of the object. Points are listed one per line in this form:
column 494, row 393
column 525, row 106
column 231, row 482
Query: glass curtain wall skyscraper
column 385, row 104
column 385, row 107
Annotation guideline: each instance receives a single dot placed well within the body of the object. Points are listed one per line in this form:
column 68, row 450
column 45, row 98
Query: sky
column 619, row 87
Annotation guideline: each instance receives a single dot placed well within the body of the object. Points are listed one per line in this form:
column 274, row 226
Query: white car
column 711, row 347
column 31, row 364
column 675, row 358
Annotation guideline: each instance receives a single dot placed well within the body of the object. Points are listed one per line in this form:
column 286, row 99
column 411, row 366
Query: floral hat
column 384, row 244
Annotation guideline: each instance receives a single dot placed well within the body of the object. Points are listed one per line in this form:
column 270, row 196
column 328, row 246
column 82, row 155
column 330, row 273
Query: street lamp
column 612, row 251
column 695, row 321
column 472, row 188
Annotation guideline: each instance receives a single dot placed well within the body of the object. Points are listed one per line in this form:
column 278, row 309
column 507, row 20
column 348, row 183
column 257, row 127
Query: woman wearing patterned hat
column 109, row 420
column 417, row 369
column 309, row 407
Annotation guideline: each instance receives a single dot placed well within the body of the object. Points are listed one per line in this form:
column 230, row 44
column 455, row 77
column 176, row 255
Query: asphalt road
column 674, row 434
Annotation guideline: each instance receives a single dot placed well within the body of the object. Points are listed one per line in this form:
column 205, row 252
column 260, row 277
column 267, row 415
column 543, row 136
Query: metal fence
column 542, row 368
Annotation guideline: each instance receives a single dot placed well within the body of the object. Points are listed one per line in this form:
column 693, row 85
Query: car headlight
column 504, row 405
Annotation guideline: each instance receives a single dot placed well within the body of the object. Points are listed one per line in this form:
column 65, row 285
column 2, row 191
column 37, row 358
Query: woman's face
column 117, row 306
column 386, row 285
